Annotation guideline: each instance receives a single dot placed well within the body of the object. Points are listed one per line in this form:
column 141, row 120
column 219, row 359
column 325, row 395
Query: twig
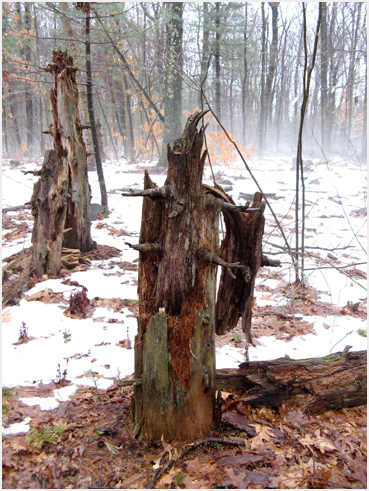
column 341, row 340
column 339, row 197
column 160, row 471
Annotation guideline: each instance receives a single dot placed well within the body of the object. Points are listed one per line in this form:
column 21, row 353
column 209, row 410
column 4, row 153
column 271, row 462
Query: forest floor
column 65, row 415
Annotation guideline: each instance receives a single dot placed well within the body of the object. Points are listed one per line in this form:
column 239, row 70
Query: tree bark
column 99, row 167
column 266, row 100
column 127, row 117
column 173, row 79
column 317, row 384
column 218, row 107
column 175, row 345
column 244, row 79
column 205, row 55
column 242, row 244
column 324, row 73
column 61, row 198
column 28, row 94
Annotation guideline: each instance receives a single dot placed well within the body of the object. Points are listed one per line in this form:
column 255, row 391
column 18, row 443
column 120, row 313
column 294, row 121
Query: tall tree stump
column 179, row 255
column 175, row 345
column 61, row 198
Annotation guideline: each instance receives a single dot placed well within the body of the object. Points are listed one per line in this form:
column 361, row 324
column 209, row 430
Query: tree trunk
column 244, row 79
column 261, row 123
column 317, row 384
column 324, row 73
column 333, row 76
column 175, row 345
column 352, row 69
column 61, row 198
column 127, row 109
column 242, row 245
column 28, row 94
column 205, row 55
column 270, row 77
column 99, row 168
column 173, row 79
column 218, row 107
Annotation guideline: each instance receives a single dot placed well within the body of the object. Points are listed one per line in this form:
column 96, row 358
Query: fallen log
column 16, row 276
column 316, row 384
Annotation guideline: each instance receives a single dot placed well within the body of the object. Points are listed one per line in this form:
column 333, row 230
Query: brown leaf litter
column 250, row 448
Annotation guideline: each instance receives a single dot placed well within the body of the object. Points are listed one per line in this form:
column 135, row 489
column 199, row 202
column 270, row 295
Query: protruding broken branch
column 33, row 172
column 218, row 260
column 240, row 208
column 147, row 248
column 178, row 209
column 153, row 193
column 273, row 263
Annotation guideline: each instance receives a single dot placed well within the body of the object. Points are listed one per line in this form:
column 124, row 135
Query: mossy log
column 61, row 198
column 334, row 381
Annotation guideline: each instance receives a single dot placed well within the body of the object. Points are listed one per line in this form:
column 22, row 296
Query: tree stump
column 179, row 255
column 61, row 198
column 175, row 345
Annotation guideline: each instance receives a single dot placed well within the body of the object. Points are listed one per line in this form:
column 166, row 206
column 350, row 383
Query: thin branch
column 153, row 193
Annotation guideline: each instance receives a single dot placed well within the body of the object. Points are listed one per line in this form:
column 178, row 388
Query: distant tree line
column 144, row 64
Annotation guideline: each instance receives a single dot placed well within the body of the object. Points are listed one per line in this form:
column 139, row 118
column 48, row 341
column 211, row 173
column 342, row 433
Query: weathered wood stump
column 334, row 381
column 61, row 198
column 179, row 255
column 175, row 345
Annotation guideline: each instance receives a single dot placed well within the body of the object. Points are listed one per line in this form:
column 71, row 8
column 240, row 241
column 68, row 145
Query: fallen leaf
column 6, row 316
column 244, row 459
column 237, row 481
column 200, row 469
column 321, row 443
column 240, row 422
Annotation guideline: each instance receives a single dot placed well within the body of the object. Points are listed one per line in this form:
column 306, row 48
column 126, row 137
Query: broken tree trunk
column 335, row 381
column 175, row 345
column 242, row 244
column 61, row 198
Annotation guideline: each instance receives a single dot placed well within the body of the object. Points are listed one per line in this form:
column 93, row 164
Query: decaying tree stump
column 175, row 345
column 179, row 254
column 316, row 384
column 61, row 198
column 242, row 244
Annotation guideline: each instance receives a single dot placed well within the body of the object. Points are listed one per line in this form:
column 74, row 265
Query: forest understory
column 85, row 441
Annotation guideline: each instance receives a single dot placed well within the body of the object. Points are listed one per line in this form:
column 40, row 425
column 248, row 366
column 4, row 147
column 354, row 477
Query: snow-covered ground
column 333, row 192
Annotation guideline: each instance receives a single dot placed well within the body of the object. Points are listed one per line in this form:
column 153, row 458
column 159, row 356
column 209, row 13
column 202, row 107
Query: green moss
column 237, row 337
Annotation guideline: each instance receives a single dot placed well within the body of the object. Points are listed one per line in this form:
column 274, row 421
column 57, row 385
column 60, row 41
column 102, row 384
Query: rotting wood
column 179, row 254
column 330, row 382
column 315, row 384
column 61, row 198
column 175, row 345
column 21, row 269
column 241, row 244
